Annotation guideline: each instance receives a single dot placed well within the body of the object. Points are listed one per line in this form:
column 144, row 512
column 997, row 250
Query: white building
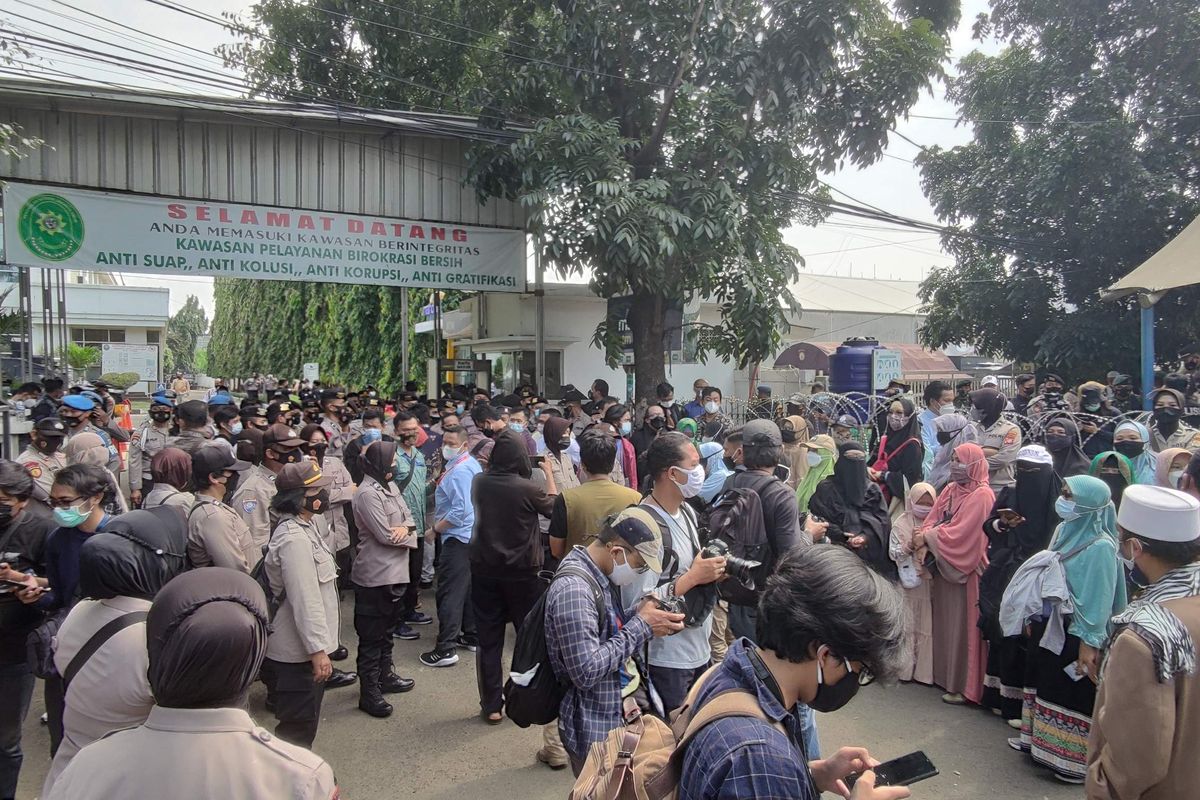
column 500, row 328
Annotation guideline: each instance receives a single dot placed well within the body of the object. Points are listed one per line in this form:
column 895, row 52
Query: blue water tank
column 850, row 368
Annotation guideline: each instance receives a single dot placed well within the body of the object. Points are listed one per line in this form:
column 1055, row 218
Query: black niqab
column 134, row 556
column 1037, row 489
column 206, row 636
column 850, row 474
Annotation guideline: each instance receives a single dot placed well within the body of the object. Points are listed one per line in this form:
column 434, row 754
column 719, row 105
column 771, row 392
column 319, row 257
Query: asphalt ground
column 436, row 747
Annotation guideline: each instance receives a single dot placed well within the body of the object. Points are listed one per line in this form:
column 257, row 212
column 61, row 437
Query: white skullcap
column 1159, row 513
column 1035, row 453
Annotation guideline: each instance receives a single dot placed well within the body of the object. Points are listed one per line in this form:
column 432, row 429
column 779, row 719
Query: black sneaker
column 467, row 642
column 417, row 618
column 405, row 632
column 439, row 658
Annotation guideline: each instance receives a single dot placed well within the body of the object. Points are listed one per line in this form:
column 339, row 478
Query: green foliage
column 668, row 142
column 183, row 328
column 1099, row 173
column 80, row 358
column 122, row 380
column 201, row 361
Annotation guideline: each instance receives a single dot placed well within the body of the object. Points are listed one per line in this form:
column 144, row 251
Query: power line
column 1084, row 122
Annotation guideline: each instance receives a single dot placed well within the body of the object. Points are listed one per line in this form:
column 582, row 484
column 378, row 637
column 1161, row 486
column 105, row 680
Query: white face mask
column 695, row 480
column 712, row 407
column 449, row 453
column 1174, row 477
column 946, row 409
column 814, row 458
column 623, row 574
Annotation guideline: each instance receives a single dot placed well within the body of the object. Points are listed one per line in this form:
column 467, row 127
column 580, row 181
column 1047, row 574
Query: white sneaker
column 1015, row 724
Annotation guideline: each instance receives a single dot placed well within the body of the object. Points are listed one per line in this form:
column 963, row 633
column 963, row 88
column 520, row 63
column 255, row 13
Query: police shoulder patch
column 34, row 469
column 249, row 504
column 1012, row 437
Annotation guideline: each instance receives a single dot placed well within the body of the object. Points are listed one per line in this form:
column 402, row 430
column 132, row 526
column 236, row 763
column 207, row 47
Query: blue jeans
column 742, row 620
column 16, row 687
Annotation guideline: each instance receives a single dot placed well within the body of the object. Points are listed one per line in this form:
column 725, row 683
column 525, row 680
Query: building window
column 152, row 337
column 94, row 337
column 511, row 369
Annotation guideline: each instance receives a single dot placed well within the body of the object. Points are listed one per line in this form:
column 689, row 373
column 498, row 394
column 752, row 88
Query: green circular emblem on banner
column 51, row 227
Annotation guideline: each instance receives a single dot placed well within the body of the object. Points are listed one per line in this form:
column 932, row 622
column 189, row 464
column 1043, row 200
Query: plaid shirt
column 743, row 757
column 589, row 661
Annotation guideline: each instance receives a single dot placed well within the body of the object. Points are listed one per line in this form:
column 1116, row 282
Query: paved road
column 435, row 747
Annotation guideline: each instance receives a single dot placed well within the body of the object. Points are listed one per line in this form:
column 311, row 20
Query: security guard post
column 217, row 537
column 43, row 458
column 150, row 437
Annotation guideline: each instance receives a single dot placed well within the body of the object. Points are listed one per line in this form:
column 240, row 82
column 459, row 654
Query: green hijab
column 825, row 447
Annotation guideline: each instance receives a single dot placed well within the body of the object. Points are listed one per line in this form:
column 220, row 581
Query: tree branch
column 649, row 150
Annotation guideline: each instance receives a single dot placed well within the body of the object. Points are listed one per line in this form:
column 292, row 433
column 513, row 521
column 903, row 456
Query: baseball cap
column 79, row 402
column 572, row 395
column 846, row 421
column 332, row 394
column 641, row 532
column 1159, row 513
column 989, row 380
column 301, row 475
column 50, row 427
column 283, row 435
column 212, row 458
column 761, row 433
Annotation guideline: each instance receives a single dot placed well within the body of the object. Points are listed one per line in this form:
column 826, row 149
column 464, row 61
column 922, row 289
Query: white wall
column 836, row 326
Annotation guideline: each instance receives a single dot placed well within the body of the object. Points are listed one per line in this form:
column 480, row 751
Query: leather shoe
column 394, row 684
column 339, row 679
column 341, row 654
column 375, row 705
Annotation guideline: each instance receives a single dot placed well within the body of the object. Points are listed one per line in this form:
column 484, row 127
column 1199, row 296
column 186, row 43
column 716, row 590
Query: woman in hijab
column 89, row 448
column 1022, row 520
column 557, row 435
column 121, row 569
column 915, row 578
column 1172, row 466
column 1062, row 440
column 953, row 531
column 1057, row 715
column 794, row 430
column 1115, row 470
column 1132, row 440
column 901, row 453
column 853, row 507
column 618, row 418
column 822, row 455
column 171, row 469
column 206, row 635
column 1168, row 430
column 951, row 431
column 688, row 427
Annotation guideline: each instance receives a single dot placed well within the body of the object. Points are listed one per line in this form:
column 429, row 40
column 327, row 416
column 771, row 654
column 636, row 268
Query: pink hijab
column 959, row 513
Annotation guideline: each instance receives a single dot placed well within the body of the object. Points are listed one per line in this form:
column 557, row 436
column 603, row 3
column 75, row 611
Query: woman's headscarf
column 1116, row 481
column 1069, row 459
column 86, row 448
column 173, row 466
column 905, row 525
column 1093, row 572
column 378, row 460
column 134, row 556
column 990, row 404
column 510, row 455
column 963, row 432
column 687, row 426
column 850, row 473
column 553, row 431
column 912, row 426
column 825, row 447
column 1145, row 464
column 206, row 636
column 797, row 433
column 960, row 511
column 1163, row 470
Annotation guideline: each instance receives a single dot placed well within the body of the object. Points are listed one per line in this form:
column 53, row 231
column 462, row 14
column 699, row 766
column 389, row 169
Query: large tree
column 669, row 143
column 183, row 328
column 1085, row 160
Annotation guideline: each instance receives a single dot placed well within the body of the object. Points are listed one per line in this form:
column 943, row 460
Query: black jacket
column 507, row 540
column 26, row 536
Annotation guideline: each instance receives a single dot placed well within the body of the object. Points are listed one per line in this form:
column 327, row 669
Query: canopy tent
column 1176, row 265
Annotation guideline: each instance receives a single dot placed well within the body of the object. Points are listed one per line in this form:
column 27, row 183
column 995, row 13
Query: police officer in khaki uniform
column 999, row 438
column 335, row 420
column 386, row 536
column 206, row 635
column 217, row 537
column 303, row 578
column 252, row 500
column 150, row 437
column 43, row 458
column 194, row 433
column 254, row 415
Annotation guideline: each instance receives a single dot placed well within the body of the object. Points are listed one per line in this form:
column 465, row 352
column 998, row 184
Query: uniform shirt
column 252, row 502
column 164, row 494
column 587, row 658
column 181, row 386
column 42, row 468
column 111, row 691
column 1184, row 437
column 377, row 510
column 190, row 441
column 744, row 756
column 341, row 492
column 1004, row 437
column 336, row 437
column 452, row 501
column 217, row 537
column 195, row 754
column 146, row 441
column 301, row 570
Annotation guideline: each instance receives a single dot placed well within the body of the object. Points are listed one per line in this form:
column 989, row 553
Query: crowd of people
column 1017, row 553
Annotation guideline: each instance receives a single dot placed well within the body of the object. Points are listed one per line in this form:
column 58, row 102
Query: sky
column 892, row 183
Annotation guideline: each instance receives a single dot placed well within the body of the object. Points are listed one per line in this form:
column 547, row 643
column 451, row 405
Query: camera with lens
column 738, row 568
column 673, row 605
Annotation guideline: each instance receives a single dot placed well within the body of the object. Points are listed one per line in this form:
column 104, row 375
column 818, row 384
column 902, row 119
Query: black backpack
column 736, row 518
column 535, row 701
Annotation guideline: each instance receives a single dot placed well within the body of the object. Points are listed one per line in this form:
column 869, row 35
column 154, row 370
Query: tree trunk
column 646, row 325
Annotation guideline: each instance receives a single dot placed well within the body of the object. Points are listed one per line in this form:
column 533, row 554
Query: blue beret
column 78, row 402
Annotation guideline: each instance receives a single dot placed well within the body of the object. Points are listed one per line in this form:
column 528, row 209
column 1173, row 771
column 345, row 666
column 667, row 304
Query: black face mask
column 231, row 485
column 287, row 456
column 48, row 446
column 1130, row 449
column 729, row 462
column 1166, row 417
column 318, row 503
column 317, row 451
column 835, row 696
column 789, row 436
column 6, row 514
column 945, row 437
column 346, row 416
column 73, row 422
column 1057, row 442
column 1026, row 391
column 656, row 423
column 160, row 416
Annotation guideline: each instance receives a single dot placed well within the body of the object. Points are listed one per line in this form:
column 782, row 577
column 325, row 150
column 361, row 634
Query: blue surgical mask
column 71, row 516
column 372, row 435
column 459, row 409
column 814, row 458
column 516, row 427
column 1065, row 509
column 626, row 428
column 235, row 429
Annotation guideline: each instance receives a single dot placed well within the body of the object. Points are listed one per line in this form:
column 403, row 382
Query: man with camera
column 685, row 583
